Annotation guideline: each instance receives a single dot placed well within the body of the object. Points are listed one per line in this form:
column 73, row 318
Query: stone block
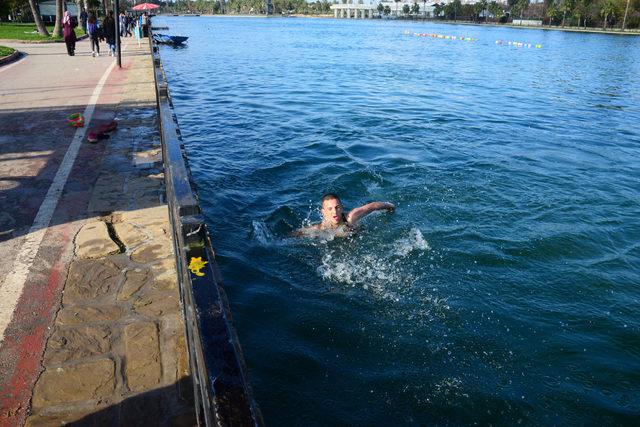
column 91, row 280
column 150, row 253
column 79, row 315
column 143, row 370
column 74, row 343
column 164, row 271
column 156, row 302
column 94, row 381
column 129, row 234
column 93, row 241
column 134, row 281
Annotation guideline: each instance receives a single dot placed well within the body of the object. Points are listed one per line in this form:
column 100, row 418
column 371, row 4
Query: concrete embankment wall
column 222, row 392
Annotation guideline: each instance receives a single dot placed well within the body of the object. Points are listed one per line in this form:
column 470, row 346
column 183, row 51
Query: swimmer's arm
column 358, row 213
column 304, row 231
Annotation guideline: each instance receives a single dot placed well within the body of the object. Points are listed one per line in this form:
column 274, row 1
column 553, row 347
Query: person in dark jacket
column 68, row 25
column 94, row 34
column 83, row 20
column 109, row 28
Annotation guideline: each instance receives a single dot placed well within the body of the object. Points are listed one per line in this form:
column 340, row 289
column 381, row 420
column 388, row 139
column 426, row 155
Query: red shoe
column 108, row 127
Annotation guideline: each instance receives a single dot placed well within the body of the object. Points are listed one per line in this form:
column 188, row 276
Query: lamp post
column 116, row 7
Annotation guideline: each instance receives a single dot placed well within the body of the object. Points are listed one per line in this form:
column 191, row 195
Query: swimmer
column 334, row 219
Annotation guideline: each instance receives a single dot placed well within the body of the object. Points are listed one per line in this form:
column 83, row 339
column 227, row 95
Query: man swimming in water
column 334, row 218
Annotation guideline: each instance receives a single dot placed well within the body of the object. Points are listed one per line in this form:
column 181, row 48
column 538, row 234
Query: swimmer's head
column 332, row 210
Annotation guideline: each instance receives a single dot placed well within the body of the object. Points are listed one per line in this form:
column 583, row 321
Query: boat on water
column 165, row 39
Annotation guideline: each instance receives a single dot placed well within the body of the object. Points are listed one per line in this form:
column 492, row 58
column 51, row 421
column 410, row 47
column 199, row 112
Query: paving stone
column 156, row 303
column 129, row 234
column 78, row 315
column 74, row 343
column 93, row 380
column 149, row 253
column 93, row 241
column 90, row 280
column 142, row 356
column 165, row 271
column 134, row 281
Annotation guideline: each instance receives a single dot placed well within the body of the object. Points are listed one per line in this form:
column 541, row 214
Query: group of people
column 98, row 31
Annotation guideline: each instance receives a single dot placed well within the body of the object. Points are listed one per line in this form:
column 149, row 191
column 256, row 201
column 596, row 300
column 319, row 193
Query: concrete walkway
column 91, row 329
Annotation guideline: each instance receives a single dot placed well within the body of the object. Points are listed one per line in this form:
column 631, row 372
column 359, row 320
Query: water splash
column 415, row 241
column 384, row 270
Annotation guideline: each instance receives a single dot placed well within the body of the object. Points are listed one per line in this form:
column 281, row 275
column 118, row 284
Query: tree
column 437, row 9
column 552, row 12
column 35, row 10
column 519, row 8
column 406, row 9
column 624, row 20
column 387, row 10
column 607, row 9
column 415, row 9
column 453, row 9
column 57, row 29
column 566, row 7
column 496, row 10
column 380, row 8
column 483, row 4
column 581, row 11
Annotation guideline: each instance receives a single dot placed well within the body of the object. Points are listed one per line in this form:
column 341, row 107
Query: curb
column 10, row 58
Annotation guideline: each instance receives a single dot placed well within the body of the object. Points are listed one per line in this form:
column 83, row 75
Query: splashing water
column 386, row 273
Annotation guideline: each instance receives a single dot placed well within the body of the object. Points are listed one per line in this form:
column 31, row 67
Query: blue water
column 505, row 289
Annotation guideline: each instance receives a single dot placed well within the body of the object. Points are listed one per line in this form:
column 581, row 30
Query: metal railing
column 222, row 393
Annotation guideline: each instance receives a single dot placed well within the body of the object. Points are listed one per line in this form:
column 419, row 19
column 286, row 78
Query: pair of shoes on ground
column 94, row 54
column 101, row 132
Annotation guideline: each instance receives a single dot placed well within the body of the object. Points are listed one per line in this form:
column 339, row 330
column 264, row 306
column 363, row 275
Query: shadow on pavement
column 34, row 142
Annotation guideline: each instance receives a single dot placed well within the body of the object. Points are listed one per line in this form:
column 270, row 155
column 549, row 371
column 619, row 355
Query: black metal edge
column 222, row 393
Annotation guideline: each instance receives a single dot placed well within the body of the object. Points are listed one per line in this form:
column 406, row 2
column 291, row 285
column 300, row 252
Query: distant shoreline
column 635, row 32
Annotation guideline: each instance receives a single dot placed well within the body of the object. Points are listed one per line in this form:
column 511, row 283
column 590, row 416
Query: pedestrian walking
column 83, row 20
column 122, row 18
column 94, row 34
column 68, row 25
column 129, row 23
column 109, row 28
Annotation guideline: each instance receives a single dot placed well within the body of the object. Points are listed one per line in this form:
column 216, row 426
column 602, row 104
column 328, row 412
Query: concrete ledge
column 10, row 58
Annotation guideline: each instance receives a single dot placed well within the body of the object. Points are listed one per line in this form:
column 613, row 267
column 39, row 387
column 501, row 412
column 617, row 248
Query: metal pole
column 116, row 7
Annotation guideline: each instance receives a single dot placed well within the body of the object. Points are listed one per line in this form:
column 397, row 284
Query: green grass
column 6, row 51
column 28, row 32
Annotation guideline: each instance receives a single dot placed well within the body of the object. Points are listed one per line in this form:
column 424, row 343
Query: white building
column 369, row 8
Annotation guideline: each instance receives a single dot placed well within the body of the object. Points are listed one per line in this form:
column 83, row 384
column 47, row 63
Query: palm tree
column 624, row 21
column 35, row 10
column 566, row 7
column 495, row 9
column 380, row 8
column 437, row 9
column 415, row 9
column 57, row 29
column 608, row 8
column 484, row 7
